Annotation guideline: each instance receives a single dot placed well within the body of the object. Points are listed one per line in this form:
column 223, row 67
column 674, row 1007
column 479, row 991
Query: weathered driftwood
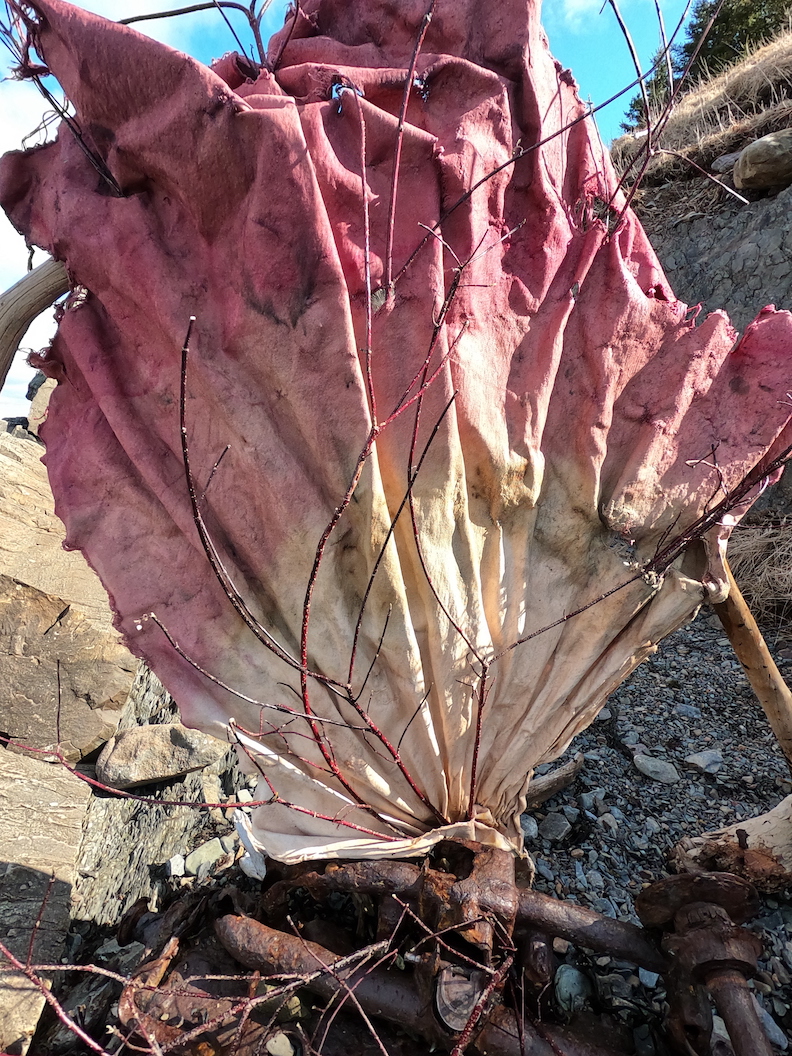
column 542, row 788
column 759, row 849
column 770, row 688
column 22, row 302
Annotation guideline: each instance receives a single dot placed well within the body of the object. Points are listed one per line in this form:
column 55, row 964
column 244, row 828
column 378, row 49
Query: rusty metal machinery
column 457, row 938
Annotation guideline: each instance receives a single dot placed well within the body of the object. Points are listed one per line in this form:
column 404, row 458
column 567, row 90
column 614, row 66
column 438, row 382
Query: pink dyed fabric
column 569, row 424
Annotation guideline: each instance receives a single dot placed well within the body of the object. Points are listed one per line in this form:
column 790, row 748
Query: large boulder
column 766, row 163
column 147, row 754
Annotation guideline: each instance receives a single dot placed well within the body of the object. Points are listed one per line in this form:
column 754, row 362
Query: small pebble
column 529, row 826
column 279, row 1045
column 708, row 762
column 175, row 865
column 687, row 711
column 647, row 978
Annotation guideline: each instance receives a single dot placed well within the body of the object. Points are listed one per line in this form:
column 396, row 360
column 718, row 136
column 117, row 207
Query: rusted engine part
column 441, row 900
column 395, row 997
column 708, row 949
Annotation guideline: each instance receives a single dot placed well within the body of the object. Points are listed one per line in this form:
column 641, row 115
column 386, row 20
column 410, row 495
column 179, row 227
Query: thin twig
column 408, row 87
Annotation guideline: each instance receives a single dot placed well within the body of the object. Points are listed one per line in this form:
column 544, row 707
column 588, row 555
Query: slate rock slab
column 60, row 673
column 42, row 807
column 147, row 754
column 31, row 536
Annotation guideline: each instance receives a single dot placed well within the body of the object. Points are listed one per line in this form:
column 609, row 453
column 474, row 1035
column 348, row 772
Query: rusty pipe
column 264, row 949
column 578, row 925
column 734, row 1002
column 502, row 1036
column 584, row 927
column 386, row 994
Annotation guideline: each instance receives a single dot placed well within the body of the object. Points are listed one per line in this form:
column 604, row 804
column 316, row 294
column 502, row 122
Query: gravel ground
column 602, row 839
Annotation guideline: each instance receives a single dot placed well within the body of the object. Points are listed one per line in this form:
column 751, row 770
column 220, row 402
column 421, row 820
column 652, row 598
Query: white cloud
column 573, row 15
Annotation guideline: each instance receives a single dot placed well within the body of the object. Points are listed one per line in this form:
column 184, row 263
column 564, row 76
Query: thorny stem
column 295, row 19
column 348, row 991
column 324, row 748
column 283, row 709
column 51, row 1000
column 481, row 1004
column 665, row 115
column 637, row 64
column 254, row 21
column 408, row 87
column 209, row 548
column 389, row 536
column 698, row 168
column 522, row 152
column 35, row 929
column 366, row 258
column 481, row 700
column 665, row 556
column 312, row 813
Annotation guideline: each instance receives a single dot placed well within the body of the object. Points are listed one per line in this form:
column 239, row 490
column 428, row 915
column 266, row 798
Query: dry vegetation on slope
column 721, row 114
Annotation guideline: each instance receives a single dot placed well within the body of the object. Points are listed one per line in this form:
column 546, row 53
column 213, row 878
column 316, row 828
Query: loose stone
column 555, row 828
column 656, row 769
column 708, row 762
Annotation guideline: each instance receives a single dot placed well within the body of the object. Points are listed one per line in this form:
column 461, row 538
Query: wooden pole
column 20, row 305
column 770, row 688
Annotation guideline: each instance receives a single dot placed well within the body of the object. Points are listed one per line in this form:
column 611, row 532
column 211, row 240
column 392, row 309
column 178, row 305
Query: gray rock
column 649, row 979
column 230, row 843
column 123, row 959
column 122, row 839
column 279, row 1045
column 544, row 870
column 616, row 986
column 725, row 163
column 708, row 762
column 776, row 1035
column 688, row 711
column 555, row 828
column 656, row 769
column 573, row 989
column 530, row 828
column 608, row 821
column 147, row 754
column 591, row 800
column 766, row 163
column 89, row 1005
column 204, row 856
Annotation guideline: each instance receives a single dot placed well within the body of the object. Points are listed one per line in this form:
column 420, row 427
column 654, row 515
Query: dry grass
column 722, row 114
column 761, row 560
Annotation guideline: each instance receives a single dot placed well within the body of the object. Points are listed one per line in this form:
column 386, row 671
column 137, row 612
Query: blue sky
column 583, row 35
